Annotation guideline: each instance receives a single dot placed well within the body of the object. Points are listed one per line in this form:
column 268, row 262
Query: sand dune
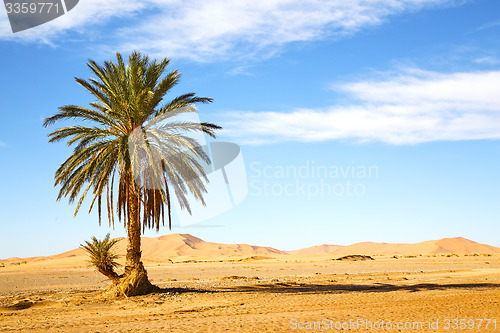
column 320, row 249
column 445, row 245
column 175, row 245
column 185, row 245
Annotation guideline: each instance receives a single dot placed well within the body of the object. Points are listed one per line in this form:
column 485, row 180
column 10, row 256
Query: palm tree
column 101, row 256
column 132, row 134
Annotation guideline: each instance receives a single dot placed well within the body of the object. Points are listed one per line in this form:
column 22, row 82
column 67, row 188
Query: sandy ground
column 281, row 294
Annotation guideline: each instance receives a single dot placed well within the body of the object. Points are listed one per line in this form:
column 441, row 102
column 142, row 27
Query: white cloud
column 414, row 107
column 3, row 144
column 205, row 30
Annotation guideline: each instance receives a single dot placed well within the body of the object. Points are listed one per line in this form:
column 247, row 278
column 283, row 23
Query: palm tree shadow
column 184, row 290
column 302, row 288
column 367, row 288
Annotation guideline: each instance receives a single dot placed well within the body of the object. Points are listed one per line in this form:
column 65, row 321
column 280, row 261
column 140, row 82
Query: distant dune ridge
column 445, row 245
column 175, row 245
column 187, row 245
column 319, row 249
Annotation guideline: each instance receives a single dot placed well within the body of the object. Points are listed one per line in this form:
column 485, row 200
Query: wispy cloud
column 408, row 108
column 3, row 144
column 488, row 25
column 487, row 60
column 206, row 30
column 241, row 70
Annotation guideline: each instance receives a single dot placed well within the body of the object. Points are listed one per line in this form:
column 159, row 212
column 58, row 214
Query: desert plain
column 448, row 285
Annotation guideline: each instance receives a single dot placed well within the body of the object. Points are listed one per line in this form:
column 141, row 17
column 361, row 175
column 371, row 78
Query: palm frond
column 128, row 97
column 101, row 254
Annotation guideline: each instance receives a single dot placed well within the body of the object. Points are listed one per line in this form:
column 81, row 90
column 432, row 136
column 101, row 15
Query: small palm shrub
column 102, row 257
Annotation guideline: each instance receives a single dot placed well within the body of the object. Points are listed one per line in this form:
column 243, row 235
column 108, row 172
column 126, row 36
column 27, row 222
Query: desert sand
column 209, row 287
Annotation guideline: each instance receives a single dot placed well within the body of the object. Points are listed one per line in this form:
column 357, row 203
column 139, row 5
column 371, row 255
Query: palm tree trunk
column 133, row 258
column 135, row 278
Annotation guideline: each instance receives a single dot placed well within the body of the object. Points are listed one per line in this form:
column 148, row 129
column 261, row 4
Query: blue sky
column 409, row 89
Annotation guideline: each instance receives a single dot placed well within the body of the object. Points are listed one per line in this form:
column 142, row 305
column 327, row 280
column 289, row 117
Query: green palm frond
column 130, row 98
column 100, row 253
